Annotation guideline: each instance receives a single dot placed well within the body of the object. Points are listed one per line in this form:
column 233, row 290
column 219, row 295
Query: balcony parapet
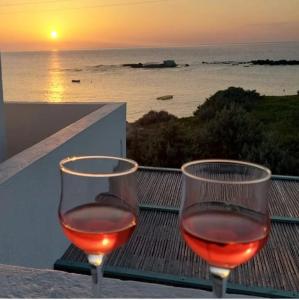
column 20, row 282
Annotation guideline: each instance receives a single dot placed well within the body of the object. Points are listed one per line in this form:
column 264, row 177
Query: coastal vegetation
column 232, row 124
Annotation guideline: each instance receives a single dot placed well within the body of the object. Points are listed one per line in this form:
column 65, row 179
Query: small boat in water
column 166, row 97
column 76, row 80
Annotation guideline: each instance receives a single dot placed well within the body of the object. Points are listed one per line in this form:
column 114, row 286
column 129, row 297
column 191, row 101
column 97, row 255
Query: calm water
column 47, row 76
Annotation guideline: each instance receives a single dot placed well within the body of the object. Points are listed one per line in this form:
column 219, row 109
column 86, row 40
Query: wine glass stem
column 219, row 279
column 96, row 275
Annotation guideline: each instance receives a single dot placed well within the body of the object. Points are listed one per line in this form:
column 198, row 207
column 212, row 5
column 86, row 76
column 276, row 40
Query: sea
column 47, row 76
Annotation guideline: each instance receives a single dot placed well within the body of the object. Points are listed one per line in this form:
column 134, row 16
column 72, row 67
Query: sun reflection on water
column 56, row 86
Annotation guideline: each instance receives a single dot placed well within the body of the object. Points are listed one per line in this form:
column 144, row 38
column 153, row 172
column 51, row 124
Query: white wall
column 30, row 185
column 2, row 122
column 28, row 123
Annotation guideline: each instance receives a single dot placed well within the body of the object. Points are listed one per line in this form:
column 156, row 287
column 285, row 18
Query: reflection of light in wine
column 55, row 88
column 105, row 242
column 248, row 251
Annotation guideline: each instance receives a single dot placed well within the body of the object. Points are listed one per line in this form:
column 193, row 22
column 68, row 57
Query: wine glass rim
column 267, row 171
column 66, row 160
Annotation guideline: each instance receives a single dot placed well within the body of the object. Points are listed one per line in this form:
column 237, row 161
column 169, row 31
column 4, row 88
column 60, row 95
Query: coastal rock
column 262, row 62
column 281, row 62
column 139, row 65
column 165, row 64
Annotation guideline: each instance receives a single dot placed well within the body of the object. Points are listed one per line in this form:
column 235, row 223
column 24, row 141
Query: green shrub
column 224, row 99
column 154, row 117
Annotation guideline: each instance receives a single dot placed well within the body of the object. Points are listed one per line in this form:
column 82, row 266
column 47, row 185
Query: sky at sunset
column 90, row 24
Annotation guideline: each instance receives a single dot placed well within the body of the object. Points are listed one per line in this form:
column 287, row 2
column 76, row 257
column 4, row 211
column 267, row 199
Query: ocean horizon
column 46, row 76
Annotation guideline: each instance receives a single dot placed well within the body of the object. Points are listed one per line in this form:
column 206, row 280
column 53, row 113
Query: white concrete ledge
column 17, row 282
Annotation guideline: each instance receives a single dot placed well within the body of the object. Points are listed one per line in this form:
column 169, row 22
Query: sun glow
column 102, row 24
column 54, row 35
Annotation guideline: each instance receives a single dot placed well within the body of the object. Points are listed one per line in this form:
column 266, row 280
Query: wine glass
column 98, row 206
column 224, row 214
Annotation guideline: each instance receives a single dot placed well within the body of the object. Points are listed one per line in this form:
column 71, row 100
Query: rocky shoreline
column 261, row 62
column 165, row 64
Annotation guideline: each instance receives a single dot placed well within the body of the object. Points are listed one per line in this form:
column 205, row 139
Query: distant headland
column 166, row 64
column 172, row 64
column 267, row 62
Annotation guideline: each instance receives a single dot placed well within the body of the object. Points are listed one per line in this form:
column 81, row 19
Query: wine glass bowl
column 98, row 205
column 224, row 215
column 98, row 229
